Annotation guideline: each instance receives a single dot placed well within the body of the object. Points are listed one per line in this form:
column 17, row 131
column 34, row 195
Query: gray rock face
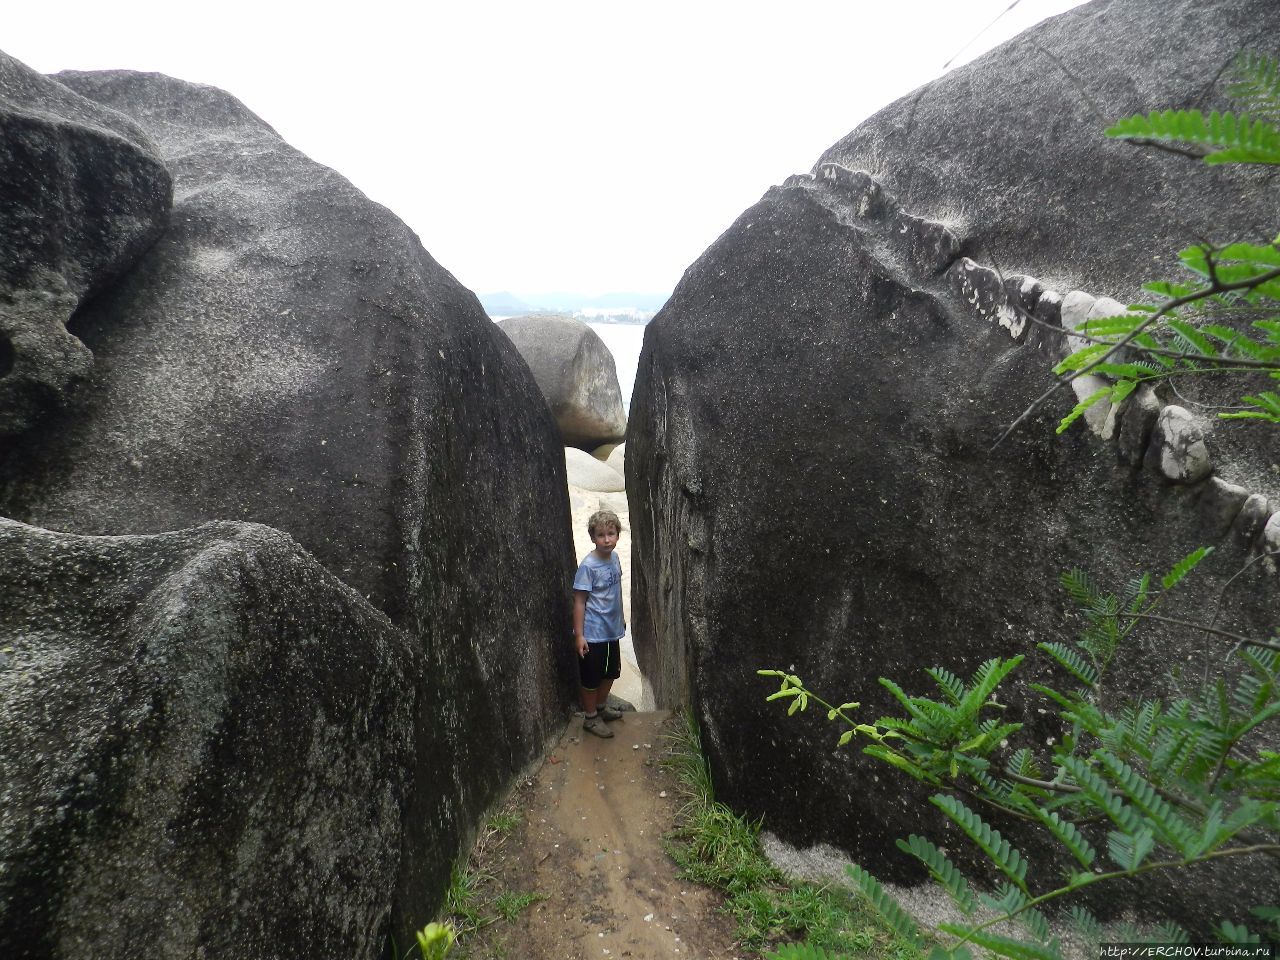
column 809, row 456
column 288, row 354
column 575, row 372
column 82, row 194
column 206, row 747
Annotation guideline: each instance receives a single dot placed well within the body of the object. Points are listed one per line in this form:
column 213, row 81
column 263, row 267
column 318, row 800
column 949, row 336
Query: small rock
column 1251, row 519
column 1178, row 451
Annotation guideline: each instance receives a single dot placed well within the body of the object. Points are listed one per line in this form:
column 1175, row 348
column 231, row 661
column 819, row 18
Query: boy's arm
column 579, row 619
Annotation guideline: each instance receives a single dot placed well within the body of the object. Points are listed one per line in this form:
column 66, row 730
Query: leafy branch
column 1187, row 327
column 1156, row 785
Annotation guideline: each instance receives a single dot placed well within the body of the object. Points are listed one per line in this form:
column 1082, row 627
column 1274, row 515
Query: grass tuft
column 509, row 905
column 504, row 821
column 714, row 846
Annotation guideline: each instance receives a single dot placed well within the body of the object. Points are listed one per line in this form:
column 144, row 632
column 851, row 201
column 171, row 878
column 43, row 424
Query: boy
column 598, row 622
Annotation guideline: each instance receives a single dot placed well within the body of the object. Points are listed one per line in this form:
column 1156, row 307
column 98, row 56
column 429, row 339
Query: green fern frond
column 908, row 703
column 899, row 723
column 1189, row 339
column 1262, row 255
column 1164, row 820
column 1078, row 586
column 1256, row 720
column 998, row 791
column 885, row 905
column 1079, row 410
column 1184, row 567
column 1004, row 946
column 1268, row 914
column 1007, row 899
column 1252, row 693
column 1072, row 662
column 947, row 875
column 1263, row 661
column 1086, row 925
column 1170, row 932
column 1128, row 850
column 1134, row 370
column 1234, row 138
column 1236, row 343
column 1023, row 763
column 948, row 682
column 897, row 760
column 1230, row 932
column 1257, row 84
column 985, row 680
column 1066, row 833
column 1171, row 290
column 1117, row 326
column 1120, row 392
column 1007, row 858
column 1081, row 358
column 1266, row 407
column 1061, row 699
column 1101, row 794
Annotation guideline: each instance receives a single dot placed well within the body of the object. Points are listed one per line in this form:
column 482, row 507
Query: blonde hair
column 602, row 518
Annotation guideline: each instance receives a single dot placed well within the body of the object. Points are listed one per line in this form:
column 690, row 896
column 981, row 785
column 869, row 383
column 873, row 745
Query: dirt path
column 590, row 840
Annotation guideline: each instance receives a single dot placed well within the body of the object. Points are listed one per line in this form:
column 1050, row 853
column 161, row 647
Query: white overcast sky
column 542, row 146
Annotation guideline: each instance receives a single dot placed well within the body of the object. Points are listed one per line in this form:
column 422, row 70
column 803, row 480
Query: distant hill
column 506, row 304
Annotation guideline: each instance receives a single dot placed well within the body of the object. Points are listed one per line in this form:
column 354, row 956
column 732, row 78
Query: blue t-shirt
column 602, row 581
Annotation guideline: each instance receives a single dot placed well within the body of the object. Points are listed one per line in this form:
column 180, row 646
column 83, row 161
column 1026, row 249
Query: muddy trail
column 589, row 843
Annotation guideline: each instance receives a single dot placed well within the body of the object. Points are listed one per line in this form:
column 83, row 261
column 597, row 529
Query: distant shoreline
column 612, row 320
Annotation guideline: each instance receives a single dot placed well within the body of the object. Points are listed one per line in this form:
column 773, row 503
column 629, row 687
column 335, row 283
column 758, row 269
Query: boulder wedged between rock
column 575, row 372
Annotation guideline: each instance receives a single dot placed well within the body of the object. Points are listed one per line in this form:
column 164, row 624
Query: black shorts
column 602, row 662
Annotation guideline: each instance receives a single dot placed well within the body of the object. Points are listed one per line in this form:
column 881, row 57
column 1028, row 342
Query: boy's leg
column 591, row 667
column 613, row 665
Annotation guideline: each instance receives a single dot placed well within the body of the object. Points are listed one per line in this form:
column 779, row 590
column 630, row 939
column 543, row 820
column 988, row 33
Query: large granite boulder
column 206, row 747
column 82, row 194
column 288, row 354
column 576, row 373
column 809, row 458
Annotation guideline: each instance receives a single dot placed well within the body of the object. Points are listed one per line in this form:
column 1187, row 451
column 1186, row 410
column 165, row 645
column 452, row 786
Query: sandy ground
column 590, row 840
column 631, row 685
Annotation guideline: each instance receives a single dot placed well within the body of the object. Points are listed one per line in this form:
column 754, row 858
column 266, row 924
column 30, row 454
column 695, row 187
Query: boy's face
column 605, row 538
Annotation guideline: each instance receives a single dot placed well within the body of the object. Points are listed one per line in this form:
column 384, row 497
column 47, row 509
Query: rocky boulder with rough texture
column 575, row 372
column 207, row 748
column 288, row 354
column 809, row 458
column 82, row 194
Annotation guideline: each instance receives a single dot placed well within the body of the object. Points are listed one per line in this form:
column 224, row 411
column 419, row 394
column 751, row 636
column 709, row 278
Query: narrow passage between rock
column 590, row 840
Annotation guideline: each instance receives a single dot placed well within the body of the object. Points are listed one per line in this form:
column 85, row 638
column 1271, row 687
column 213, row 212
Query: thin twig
column 1217, row 607
column 1249, row 641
